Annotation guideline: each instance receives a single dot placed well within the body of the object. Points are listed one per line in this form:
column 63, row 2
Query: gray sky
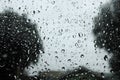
column 67, row 28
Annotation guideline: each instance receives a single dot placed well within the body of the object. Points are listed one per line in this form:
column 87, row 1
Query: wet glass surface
column 59, row 40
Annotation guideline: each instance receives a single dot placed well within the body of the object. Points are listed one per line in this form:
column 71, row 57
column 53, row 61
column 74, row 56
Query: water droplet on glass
column 81, row 55
column 63, row 50
column 105, row 57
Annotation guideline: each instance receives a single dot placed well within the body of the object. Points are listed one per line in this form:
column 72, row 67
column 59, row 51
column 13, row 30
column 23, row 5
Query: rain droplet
column 69, row 60
column 53, row 2
column 81, row 55
column 80, row 34
column 33, row 12
column 56, row 56
column 63, row 50
column 63, row 67
column 105, row 57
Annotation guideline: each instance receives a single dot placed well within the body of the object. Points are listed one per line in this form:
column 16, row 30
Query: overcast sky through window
column 65, row 26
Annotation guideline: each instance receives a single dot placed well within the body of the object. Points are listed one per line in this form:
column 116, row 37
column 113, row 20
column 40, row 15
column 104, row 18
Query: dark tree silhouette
column 107, row 33
column 20, row 45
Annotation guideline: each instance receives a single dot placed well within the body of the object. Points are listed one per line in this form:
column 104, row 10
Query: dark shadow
column 20, row 45
column 82, row 74
column 107, row 33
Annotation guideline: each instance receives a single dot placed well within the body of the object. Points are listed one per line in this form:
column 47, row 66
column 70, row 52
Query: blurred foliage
column 20, row 44
column 107, row 32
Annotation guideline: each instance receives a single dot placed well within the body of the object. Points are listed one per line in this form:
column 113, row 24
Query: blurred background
column 65, row 27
